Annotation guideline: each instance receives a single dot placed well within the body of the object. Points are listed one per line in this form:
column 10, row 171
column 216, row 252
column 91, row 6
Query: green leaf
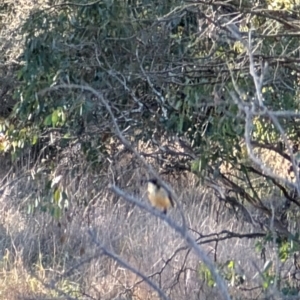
column 57, row 212
column 54, row 118
column 56, row 195
column 34, row 139
column 230, row 264
column 48, row 120
column 63, row 116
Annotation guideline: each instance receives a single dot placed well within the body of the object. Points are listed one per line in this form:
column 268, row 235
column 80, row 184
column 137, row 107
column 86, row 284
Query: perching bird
column 158, row 196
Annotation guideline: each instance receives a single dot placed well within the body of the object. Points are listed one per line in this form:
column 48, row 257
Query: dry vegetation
column 44, row 258
column 41, row 260
column 93, row 244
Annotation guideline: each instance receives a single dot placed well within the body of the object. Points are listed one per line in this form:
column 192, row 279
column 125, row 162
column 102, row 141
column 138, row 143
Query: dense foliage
column 177, row 75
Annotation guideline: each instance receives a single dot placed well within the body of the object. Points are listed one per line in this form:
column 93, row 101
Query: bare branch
column 120, row 135
column 120, row 261
column 184, row 234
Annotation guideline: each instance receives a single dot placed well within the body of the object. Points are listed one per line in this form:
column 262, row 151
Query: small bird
column 158, row 196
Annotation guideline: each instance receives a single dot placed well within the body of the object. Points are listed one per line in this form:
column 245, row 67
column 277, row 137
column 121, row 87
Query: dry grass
column 41, row 258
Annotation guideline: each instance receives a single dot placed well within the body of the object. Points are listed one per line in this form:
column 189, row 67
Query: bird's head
column 153, row 185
